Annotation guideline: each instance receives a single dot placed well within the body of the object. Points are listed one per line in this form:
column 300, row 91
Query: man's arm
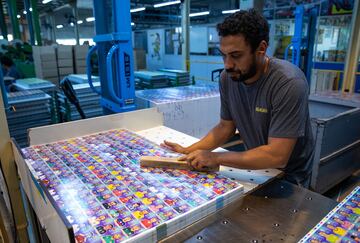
column 217, row 136
column 273, row 155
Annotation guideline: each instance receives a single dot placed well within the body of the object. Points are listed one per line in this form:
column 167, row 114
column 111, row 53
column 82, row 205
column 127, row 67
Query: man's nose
column 228, row 63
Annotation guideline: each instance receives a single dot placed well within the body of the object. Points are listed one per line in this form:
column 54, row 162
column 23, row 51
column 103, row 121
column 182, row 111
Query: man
column 9, row 68
column 266, row 99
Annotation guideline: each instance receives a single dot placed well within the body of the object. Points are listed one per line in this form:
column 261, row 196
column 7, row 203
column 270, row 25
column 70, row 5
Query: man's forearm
column 258, row 158
column 215, row 138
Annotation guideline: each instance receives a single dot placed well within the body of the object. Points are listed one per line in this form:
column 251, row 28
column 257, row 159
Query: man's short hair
column 251, row 24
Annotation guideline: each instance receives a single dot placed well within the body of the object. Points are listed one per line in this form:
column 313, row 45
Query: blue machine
column 115, row 55
column 303, row 46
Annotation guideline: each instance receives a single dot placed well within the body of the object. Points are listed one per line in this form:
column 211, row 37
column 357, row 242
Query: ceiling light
column 80, row 21
column 90, row 19
column 30, row 9
column 59, row 26
column 199, row 14
column 18, row 16
column 46, row 1
column 72, row 24
column 159, row 5
column 132, row 23
column 230, row 11
column 24, row 12
column 137, row 9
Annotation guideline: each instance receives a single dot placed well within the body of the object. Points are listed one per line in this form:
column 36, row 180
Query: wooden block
column 170, row 163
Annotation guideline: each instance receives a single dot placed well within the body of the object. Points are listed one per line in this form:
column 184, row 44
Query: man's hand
column 201, row 159
column 174, row 147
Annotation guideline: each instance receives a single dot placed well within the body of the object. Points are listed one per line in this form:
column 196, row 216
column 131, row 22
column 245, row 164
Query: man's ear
column 262, row 47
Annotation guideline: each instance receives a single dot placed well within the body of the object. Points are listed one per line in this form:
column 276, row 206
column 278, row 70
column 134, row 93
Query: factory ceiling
column 148, row 18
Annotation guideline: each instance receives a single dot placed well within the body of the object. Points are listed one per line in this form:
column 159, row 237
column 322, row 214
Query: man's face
column 239, row 61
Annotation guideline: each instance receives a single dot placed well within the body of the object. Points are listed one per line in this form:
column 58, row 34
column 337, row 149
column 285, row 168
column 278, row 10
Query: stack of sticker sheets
column 149, row 98
column 193, row 110
column 82, row 78
column 176, row 77
column 151, row 79
column 88, row 99
column 29, row 109
column 342, row 224
column 99, row 187
column 34, row 83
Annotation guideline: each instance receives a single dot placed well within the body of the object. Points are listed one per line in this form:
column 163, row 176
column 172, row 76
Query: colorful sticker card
column 99, row 187
column 342, row 224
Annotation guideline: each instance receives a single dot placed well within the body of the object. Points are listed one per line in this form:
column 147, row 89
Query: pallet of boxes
column 65, row 61
column 80, row 53
column 46, row 63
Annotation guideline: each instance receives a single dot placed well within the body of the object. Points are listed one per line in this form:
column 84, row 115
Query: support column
column 36, row 22
column 3, row 26
column 14, row 21
column 52, row 23
column 76, row 26
column 185, row 33
column 353, row 51
column 29, row 21
column 10, row 175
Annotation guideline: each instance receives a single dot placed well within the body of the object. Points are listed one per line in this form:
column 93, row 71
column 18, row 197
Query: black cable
column 70, row 94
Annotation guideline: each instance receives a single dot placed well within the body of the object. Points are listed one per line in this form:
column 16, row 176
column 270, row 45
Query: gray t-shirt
column 274, row 106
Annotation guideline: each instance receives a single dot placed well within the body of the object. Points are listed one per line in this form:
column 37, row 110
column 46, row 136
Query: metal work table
column 277, row 212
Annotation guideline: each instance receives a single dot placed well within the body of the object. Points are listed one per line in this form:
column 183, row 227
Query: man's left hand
column 201, row 159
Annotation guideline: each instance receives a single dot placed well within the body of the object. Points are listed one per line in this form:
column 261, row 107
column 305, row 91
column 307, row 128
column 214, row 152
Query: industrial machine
column 115, row 55
column 303, row 47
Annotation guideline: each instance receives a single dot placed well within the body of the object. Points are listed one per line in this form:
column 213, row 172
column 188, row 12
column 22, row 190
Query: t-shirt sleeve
column 224, row 109
column 289, row 110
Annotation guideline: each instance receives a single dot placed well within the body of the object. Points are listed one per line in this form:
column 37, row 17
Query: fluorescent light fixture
column 1, row 37
column 159, row 5
column 199, row 14
column 230, row 11
column 18, row 16
column 90, row 19
column 72, row 24
column 132, row 23
column 30, row 9
column 80, row 21
column 137, row 9
column 46, row 1
column 59, row 26
column 24, row 12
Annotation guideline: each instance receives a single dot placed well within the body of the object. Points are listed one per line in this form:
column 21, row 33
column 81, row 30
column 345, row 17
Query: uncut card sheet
column 98, row 185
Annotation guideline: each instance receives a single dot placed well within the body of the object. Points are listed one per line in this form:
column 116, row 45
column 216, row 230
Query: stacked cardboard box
column 139, row 59
column 80, row 53
column 45, row 63
column 65, row 61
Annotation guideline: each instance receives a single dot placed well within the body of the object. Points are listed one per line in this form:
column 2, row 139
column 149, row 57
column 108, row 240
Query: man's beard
column 242, row 77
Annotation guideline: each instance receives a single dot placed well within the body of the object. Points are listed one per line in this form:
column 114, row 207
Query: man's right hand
column 174, row 147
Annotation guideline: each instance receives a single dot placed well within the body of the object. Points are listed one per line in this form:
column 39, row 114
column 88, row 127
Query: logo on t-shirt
column 261, row 110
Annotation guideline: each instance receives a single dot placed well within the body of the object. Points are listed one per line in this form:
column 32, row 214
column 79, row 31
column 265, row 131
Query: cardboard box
column 65, row 71
column 49, row 72
column 80, row 52
column 139, row 59
column 64, row 52
column 49, row 64
column 65, row 63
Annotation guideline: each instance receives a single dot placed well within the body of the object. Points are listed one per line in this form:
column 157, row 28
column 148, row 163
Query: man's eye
column 236, row 56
